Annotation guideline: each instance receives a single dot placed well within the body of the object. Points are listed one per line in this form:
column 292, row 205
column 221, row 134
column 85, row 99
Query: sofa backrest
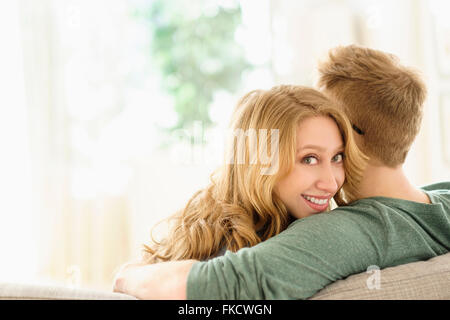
column 422, row 280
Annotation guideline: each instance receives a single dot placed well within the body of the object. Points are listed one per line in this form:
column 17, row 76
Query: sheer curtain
column 73, row 90
column 17, row 230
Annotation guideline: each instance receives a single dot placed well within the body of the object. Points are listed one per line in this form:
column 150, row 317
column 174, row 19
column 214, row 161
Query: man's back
column 316, row 251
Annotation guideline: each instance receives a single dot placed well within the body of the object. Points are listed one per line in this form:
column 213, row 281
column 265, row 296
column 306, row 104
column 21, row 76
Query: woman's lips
column 315, row 206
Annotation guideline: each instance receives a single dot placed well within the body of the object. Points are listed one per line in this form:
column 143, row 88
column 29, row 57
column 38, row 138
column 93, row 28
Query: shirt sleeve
column 312, row 253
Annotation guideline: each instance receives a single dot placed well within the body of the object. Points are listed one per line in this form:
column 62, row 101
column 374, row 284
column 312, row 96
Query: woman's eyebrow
column 318, row 148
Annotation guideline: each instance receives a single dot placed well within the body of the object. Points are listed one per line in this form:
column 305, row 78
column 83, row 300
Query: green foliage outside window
column 196, row 53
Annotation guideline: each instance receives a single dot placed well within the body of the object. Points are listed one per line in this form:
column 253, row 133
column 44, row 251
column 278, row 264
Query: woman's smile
column 317, row 203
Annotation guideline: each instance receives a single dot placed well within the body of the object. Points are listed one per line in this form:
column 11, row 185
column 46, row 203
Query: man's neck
column 382, row 181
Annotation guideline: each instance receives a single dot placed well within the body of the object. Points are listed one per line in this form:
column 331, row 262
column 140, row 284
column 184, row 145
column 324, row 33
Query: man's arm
column 166, row 280
column 295, row 264
column 310, row 254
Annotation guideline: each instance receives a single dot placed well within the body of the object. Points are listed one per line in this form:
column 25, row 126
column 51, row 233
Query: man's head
column 382, row 99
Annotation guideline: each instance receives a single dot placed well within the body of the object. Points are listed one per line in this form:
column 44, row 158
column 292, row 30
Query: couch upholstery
column 423, row 280
column 14, row 291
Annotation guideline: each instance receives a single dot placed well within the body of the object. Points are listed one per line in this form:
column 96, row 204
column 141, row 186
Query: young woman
column 298, row 155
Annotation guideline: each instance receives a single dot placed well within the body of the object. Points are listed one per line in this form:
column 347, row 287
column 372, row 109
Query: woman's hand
column 165, row 280
column 123, row 280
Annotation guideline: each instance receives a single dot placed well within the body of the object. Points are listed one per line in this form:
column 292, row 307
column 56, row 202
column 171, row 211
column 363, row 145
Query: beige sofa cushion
column 15, row 291
column 423, row 280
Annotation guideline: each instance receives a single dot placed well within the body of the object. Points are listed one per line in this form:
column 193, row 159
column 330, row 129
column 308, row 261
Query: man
column 393, row 223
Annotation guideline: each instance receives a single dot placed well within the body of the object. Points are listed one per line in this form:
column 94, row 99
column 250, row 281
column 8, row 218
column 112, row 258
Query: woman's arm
column 166, row 280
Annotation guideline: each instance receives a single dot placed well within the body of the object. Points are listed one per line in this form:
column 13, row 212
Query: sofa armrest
column 18, row 291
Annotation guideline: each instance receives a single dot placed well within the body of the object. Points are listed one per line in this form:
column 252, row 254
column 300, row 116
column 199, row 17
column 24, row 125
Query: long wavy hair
column 239, row 207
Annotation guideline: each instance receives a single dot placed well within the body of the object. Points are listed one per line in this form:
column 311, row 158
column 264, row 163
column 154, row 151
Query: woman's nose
column 327, row 180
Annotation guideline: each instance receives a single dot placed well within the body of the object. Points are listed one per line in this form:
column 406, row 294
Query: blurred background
column 112, row 112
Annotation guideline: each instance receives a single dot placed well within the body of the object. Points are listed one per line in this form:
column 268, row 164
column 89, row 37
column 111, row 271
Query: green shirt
column 318, row 250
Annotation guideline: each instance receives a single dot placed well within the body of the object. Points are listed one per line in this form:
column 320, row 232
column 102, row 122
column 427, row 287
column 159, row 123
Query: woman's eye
column 339, row 157
column 309, row 160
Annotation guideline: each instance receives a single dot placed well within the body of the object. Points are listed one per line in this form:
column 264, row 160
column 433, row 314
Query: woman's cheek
column 341, row 176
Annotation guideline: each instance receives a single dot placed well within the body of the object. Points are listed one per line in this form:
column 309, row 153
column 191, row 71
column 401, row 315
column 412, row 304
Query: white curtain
column 17, row 230
column 81, row 232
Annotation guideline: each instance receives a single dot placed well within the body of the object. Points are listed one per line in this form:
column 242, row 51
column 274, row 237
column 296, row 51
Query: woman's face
column 319, row 168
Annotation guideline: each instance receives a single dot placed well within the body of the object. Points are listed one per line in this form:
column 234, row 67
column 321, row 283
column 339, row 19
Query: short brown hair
column 382, row 98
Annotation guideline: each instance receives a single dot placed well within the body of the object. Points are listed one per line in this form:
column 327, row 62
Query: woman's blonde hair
column 239, row 208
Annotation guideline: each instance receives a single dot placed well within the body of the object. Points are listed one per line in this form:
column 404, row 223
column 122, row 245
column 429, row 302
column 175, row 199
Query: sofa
column 422, row 280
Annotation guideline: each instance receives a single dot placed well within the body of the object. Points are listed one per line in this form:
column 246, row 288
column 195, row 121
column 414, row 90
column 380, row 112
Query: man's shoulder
column 444, row 186
column 361, row 214
column 342, row 217
column 363, row 207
